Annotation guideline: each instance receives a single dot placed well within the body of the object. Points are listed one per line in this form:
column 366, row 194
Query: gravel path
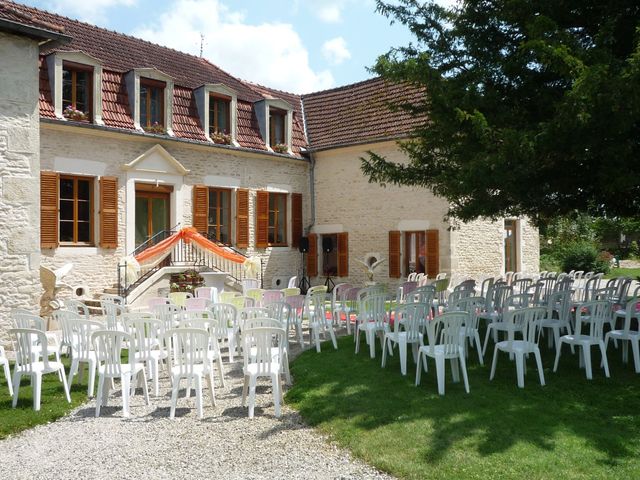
column 224, row 445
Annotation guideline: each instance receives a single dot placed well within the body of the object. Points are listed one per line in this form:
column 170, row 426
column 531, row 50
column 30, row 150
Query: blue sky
column 295, row 45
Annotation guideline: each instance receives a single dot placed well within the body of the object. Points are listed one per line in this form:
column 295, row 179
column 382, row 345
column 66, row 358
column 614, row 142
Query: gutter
column 33, row 32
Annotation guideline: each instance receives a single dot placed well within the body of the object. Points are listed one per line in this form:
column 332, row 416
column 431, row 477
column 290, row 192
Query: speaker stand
column 304, row 283
column 329, row 284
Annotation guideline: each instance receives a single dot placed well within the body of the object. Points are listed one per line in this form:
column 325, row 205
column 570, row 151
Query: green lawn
column 53, row 403
column 624, row 272
column 571, row 428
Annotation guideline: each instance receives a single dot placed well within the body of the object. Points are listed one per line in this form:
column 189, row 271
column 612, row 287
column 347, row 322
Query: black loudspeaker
column 327, row 244
column 303, row 245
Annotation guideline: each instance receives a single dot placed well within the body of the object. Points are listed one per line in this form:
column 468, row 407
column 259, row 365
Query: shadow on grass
column 570, row 418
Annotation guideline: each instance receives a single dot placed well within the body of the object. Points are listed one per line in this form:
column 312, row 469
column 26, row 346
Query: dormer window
column 218, row 110
column 76, row 86
column 220, row 117
column 77, row 91
column 275, row 119
column 277, row 127
column 150, row 94
column 152, row 104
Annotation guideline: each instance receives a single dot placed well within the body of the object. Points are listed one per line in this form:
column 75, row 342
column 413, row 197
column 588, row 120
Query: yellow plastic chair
column 290, row 292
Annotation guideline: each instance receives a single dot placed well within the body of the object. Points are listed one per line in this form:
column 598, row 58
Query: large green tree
column 532, row 107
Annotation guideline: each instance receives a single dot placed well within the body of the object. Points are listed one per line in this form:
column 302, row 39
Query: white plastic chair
column 205, row 320
column 113, row 314
column 248, row 284
column 293, row 282
column 108, row 345
column 4, row 361
column 189, row 360
column 318, row 323
column 627, row 335
column 296, row 302
column 371, row 320
column 168, row 315
column 82, row 348
column 528, row 319
column 146, row 346
column 558, row 316
column 226, row 325
column 473, row 306
column 24, row 319
column 593, row 315
column 260, row 361
column 337, row 296
column 30, row 346
column 443, row 334
column 517, row 301
column 77, row 306
column 407, row 316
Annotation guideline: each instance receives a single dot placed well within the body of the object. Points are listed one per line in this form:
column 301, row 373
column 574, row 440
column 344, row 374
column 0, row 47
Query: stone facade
column 84, row 151
column 347, row 202
column 19, row 178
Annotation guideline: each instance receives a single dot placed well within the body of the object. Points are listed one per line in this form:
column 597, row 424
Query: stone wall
column 346, row 201
column 19, row 179
column 78, row 150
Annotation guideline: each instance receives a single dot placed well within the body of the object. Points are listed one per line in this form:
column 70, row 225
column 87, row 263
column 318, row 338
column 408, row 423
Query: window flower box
column 156, row 128
column 280, row 148
column 222, row 138
column 71, row 113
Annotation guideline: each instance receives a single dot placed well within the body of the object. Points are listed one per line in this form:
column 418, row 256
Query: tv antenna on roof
column 201, row 43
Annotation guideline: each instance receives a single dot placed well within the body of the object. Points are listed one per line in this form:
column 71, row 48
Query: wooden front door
column 152, row 214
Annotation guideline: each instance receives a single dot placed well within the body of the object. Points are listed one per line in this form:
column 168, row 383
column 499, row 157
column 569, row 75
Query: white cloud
column 336, row 51
column 92, row 11
column 330, row 12
column 271, row 54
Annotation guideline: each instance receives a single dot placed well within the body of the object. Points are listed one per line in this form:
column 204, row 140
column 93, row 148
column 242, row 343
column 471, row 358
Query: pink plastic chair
column 210, row 293
column 272, row 296
column 200, row 303
column 154, row 301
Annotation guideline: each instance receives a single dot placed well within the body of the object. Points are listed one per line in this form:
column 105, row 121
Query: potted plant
column 280, row 148
column 155, row 128
column 222, row 138
column 71, row 113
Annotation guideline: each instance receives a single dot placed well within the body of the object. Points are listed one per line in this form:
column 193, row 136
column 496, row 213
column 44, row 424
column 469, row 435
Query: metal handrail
column 183, row 254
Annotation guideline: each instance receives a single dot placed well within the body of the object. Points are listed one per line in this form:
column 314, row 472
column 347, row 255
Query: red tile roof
column 359, row 113
column 347, row 115
column 13, row 13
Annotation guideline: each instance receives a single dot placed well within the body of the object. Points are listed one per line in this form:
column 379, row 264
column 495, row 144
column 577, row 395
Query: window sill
column 76, row 249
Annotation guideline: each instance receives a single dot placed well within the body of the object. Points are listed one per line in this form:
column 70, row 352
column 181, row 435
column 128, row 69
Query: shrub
column 583, row 255
column 634, row 249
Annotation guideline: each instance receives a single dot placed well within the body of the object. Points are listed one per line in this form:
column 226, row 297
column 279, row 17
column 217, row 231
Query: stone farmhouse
column 106, row 140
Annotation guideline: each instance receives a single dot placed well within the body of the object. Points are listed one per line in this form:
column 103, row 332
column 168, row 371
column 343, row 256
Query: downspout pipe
column 312, row 191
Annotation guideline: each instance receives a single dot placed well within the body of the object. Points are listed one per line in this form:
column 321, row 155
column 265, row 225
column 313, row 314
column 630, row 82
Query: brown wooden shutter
column 433, row 253
column 109, row 212
column 394, row 254
column 296, row 219
column 343, row 254
column 49, row 184
column 262, row 219
column 242, row 218
column 312, row 256
column 201, row 208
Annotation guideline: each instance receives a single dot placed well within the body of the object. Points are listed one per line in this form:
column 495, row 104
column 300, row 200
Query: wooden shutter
column 109, row 212
column 242, row 218
column 262, row 219
column 49, row 184
column 394, row 254
column 201, row 208
column 296, row 219
column 433, row 253
column 343, row 254
column 312, row 256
